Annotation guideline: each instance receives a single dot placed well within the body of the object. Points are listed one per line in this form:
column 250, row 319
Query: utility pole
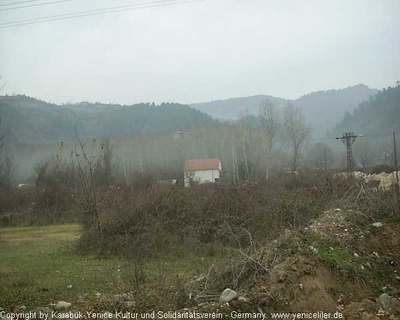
column 324, row 159
column 141, row 164
column 245, row 163
column 235, row 170
column 397, row 170
column 233, row 165
column 348, row 139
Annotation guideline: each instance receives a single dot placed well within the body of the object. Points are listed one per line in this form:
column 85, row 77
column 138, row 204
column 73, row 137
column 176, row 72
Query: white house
column 198, row 171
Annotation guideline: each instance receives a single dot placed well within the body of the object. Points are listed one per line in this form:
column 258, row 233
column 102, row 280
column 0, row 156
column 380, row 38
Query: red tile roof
column 201, row 164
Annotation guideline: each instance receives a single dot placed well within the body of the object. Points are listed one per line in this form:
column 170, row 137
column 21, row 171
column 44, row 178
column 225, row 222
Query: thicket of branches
column 169, row 219
column 63, row 189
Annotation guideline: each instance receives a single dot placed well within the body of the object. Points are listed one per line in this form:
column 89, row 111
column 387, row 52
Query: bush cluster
column 161, row 219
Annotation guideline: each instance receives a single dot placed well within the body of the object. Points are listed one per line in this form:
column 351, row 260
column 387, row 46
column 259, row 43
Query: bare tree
column 270, row 122
column 104, row 164
column 321, row 156
column 245, row 138
column 2, row 135
column 365, row 153
column 2, row 85
column 297, row 132
column 7, row 169
column 6, row 166
column 87, row 189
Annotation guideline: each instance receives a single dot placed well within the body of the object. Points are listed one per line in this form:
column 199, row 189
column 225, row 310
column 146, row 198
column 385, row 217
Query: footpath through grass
column 39, row 264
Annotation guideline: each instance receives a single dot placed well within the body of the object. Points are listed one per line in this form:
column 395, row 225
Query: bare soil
column 339, row 263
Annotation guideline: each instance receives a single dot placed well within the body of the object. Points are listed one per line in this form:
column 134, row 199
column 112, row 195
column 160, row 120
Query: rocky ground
column 382, row 180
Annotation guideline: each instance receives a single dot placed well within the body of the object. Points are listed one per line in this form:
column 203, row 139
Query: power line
column 14, row 3
column 94, row 12
column 81, row 12
column 34, row 5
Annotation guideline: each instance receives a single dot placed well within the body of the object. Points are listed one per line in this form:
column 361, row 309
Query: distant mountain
column 377, row 117
column 33, row 121
column 29, row 120
column 230, row 109
column 322, row 109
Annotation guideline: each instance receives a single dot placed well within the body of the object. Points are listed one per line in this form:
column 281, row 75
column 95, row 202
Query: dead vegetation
column 163, row 220
column 311, row 248
column 336, row 260
column 286, row 242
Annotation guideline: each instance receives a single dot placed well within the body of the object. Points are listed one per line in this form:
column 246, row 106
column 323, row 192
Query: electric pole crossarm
column 348, row 140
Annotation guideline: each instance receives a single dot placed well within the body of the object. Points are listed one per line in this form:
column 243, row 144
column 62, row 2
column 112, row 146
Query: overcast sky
column 214, row 49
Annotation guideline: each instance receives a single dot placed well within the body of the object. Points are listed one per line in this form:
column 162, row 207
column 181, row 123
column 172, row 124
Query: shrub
column 160, row 220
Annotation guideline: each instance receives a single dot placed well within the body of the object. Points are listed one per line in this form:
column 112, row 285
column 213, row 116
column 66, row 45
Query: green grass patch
column 38, row 263
column 339, row 258
column 349, row 265
column 330, row 251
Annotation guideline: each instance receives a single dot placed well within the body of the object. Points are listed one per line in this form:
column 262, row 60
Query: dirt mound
column 341, row 262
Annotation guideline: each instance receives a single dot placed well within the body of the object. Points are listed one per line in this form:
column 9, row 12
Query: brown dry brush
column 47, row 199
column 162, row 219
column 252, row 263
column 62, row 190
column 366, row 197
column 93, row 177
column 247, row 264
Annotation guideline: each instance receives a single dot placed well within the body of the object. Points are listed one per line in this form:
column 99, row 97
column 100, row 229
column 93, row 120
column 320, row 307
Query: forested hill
column 29, row 120
column 322, row 109
column 230, row 109
column 377, row 116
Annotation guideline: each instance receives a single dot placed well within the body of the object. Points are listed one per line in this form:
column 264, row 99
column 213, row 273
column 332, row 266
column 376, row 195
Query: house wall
column 202, row 176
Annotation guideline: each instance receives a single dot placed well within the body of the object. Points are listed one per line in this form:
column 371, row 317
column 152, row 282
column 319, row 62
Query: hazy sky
column 214, row 49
